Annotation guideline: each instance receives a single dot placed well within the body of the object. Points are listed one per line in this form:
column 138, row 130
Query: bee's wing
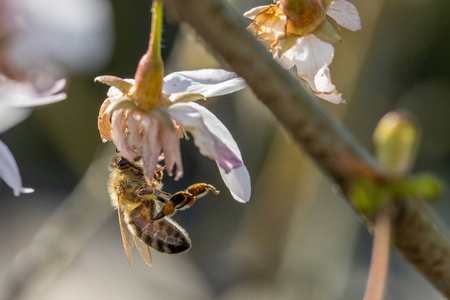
column 127, row 238
column 143, row 250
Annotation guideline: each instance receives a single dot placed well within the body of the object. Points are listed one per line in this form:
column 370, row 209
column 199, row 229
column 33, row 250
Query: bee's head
column 121, row 163
column 118, row 162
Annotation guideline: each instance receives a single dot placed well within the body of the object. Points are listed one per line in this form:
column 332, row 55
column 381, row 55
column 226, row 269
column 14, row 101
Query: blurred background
column 297, row 238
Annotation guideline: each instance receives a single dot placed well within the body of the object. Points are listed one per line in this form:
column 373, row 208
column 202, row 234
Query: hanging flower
column 17, row 98
column 157, row 131
column 146, row 116
column 300, row 33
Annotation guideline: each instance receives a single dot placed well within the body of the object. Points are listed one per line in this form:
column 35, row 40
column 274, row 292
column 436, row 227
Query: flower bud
column 305, row 15
column 396, row 138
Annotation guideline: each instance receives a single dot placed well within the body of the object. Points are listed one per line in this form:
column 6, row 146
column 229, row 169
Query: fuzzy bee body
column 144, row 209
column 136, row 210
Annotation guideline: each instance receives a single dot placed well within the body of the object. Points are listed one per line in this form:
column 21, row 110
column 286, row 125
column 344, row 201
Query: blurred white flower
column 55, row 36
column 16, row 101
column 157, row 131
column 307, row 46
column 18, row 97
column 9, row 171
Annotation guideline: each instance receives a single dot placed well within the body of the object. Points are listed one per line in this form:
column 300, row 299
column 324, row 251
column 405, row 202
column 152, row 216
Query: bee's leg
column 159, row 175
column 196, row 191
column 160, row 195
column 147, row 191
column 199, row 190
column 185, row 199
column 177, row 200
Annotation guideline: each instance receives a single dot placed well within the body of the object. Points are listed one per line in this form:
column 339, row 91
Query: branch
column 327, row 142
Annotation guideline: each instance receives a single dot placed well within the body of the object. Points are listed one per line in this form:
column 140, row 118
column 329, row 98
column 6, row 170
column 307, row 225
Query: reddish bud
column 304, row 15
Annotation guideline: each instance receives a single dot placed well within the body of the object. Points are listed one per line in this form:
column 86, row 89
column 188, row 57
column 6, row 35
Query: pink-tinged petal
column 211, row 137
column 135, row 129
column 24, row 94
column 310, row 55
column 38, row 101
column 214, row 140
column 238, row 182
column 252, row 13
column 33, row 99
column 58, row 86
column 171, row 146
column 9, row 171
column 333, row 97
column 345, row 14
column 151, row 146
column 119, row 125
column 208, row 82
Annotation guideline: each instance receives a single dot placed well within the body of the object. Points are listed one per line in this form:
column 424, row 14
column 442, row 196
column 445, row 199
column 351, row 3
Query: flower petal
column 323, row 88
column 104, row 122
column 9, row 171
column 23, row 94
column 122, row 85
column 116, row 92
column 287, row 58
column 210, row 135
column 322, row 81
column 171, row 147
column 135, row 128
column 215, row 141
column 38, row 101
column 119, row 103
column 310, row 54
column 238, row 182
column 17, row 97
column 281, row 51
column 208, row 82
column 119, row 125
column 151, row 146
column 252, row 13
column 269, row 26
column 185, row 97
column 345, row 14
column 57, row 87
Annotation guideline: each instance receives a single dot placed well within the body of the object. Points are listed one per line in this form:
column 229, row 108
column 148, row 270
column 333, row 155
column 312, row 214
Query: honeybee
column 144, row 209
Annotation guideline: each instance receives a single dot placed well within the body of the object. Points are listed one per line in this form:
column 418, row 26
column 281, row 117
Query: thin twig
column 328, row 143
column 380, row 257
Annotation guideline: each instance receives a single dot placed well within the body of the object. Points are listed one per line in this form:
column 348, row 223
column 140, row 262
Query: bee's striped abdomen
column 163, row 235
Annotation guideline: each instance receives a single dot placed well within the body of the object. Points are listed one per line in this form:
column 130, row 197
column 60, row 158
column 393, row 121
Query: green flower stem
column 155, row 37
column 415, row 233
column 150, row 71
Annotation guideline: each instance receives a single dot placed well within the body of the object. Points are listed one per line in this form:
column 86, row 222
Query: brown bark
column 415, row 234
